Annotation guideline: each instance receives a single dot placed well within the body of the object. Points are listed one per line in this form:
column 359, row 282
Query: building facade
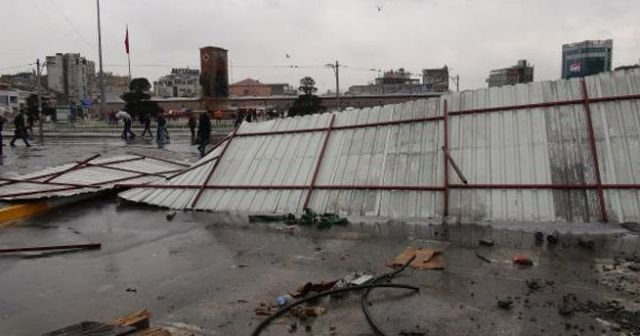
column 72, row 77
column 182, row 82
column 282, row 89
column 517, row 74
column 249, row 87
column 436, row 80
column 586, row 58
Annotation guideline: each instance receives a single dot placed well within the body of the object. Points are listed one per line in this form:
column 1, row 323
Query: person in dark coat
column 162, row 135
column 2, row 121
column 21, row 130
column 192, row 126
column 204, row 133
column 145, row 120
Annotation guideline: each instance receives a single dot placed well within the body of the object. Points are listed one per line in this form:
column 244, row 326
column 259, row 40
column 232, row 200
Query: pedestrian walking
column 239, row 119
column 193, row 122
column 162, row 134
column 2, row 121
column 145, row 120
column 204, row 133
column 126, row 125
column 20, row 131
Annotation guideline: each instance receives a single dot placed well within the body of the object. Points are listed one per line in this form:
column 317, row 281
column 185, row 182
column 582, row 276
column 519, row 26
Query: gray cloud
column 471, row 36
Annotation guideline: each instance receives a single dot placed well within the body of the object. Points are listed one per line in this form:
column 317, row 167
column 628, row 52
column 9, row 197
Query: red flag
column 126, row 40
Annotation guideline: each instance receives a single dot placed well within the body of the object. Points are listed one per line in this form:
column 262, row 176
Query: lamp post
column 336, row 70
column 39, row 91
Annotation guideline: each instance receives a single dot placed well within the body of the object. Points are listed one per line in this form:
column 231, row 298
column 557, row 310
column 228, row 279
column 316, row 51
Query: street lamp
column 336, row 70
column 39, row 69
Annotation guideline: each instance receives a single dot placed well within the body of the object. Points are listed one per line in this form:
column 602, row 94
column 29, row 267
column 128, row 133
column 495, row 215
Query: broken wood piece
column 425, row 259
column 89, row 246
column 139, row 320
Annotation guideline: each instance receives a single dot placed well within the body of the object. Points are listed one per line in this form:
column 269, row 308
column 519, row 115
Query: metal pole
column 101, row 78
column 129, row 56
column 457, row 83
column 40, row 116
column 337, row 68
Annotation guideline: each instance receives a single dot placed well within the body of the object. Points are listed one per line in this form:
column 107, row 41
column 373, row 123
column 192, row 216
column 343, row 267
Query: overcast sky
column 470, row 36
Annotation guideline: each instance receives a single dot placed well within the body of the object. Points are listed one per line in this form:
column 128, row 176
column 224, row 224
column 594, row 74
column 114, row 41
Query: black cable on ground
column 285, row 309
column 364, row 302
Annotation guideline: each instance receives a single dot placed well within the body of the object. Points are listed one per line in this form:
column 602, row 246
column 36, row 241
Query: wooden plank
column 140, row 320
column 89, row 246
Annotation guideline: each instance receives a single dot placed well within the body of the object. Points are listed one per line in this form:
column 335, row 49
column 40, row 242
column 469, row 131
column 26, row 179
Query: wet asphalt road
column 205, row 274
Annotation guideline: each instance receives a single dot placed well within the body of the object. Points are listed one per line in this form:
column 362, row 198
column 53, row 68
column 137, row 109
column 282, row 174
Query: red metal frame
column 16, row 181
column 445, row 148
column 202, row 163
column 74, row 167
column 454, row 166
column 215, row 165
column 283, row 187
column 594, row 151
column 320, row 157
column 182, row 164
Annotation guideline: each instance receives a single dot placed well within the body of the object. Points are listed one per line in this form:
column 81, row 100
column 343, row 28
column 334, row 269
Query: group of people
column 201, row 137
column 162, row 134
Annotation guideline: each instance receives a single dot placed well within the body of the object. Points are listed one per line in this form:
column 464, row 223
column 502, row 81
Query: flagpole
column 129, row 56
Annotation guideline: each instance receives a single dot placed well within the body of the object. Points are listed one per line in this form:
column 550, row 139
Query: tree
column 307, row 102
column 137, row 101
column 307, row 86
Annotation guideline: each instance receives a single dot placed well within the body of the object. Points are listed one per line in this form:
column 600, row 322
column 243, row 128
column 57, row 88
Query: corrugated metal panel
column 617, row 131
column 539, row 146
column 129, row 169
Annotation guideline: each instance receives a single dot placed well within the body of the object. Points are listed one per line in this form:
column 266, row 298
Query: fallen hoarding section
column 87, row 176
column 544, row 151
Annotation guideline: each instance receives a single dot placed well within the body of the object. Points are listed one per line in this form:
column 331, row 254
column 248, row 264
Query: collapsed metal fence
column 449, row 163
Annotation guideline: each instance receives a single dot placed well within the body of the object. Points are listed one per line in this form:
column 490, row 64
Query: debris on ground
column 425, row 259
column 283, row 300
column 323, row 221
column 305, row 312
column 505, row 303
column 171, row 215
column 586, row 243
column 131, row 290
column 310, row 287
column 309, row 305
column 622, row 320
column 486, row 242
column 417, row 332
column 631, row 226
column 553, row 238
column 88, row 246
column 539, row 238
column 134, row 324
column 308, row 218
column 521, row 260
column 619, row 275
column 483, row 258
column 568, row 305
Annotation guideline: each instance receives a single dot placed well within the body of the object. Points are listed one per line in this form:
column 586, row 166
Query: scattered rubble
column 486, row 242
column 505, row 304
column 522, row 261
column 134, row 324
